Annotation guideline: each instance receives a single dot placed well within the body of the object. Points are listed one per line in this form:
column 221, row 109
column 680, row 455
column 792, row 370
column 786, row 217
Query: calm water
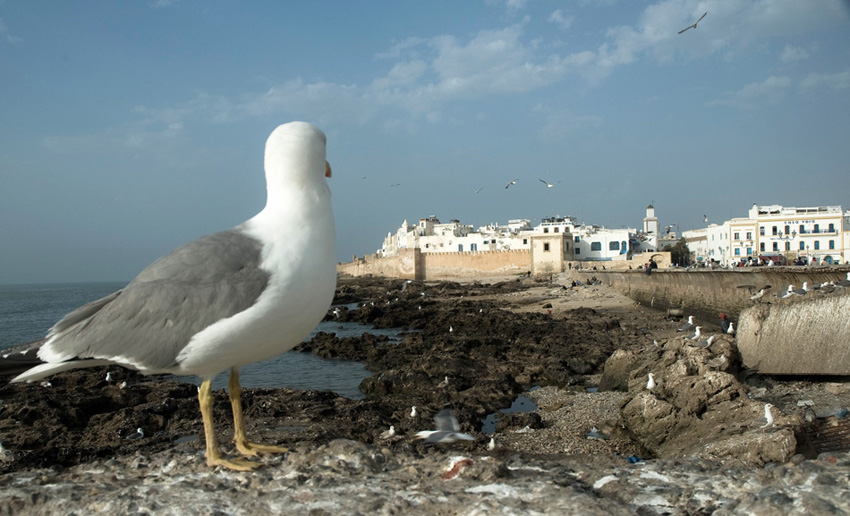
column 28, row 311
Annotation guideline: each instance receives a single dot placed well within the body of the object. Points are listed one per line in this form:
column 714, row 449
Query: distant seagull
column 413, row 411
column 717, row 363
column 138, row 434
column 548, row 185
column 396, row 184
column 596, row 435
column 705, row 218
column 509, row 184
column 696, row 335
column 388, row 433
column 447, row 429
column 694, row 26
column 108, row 377
column 731, row 330
column 444, row 383
column 650, row 383
column 705, row 344
column 123, row 385
column 451, row 329
column 476, row 191
column 768, row 417
column 844, row 283
column 756, row 294
column 688, row 325
column 492, row 444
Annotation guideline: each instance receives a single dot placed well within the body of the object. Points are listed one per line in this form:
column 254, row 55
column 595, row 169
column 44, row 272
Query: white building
column 818, row 233
column 589, row 243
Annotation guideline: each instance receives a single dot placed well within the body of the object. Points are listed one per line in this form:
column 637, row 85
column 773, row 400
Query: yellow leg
column 242, row 444
column 214, row 457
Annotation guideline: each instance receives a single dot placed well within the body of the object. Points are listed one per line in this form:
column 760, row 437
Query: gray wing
column 446, row 421
column 154, row 317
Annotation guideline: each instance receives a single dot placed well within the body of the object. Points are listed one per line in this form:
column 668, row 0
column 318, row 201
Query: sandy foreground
column 544, row 462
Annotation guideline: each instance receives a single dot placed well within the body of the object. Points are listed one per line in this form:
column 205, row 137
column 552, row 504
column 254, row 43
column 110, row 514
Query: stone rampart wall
column 707, row 293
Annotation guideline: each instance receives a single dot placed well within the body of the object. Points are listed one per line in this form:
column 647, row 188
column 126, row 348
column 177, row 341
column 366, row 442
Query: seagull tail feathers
column 44, row 370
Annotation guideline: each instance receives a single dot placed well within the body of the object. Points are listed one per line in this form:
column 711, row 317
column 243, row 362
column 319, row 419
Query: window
column 546, row 247
column 749, row 251
column 787, row 230
column 817, row 245
column 774, row 231
column 557, row 230
column 817, row 228
column 831, row 227
column 524, row 241
column 749, row 235
column 613, row 246
column 545, row 230
column 473, row 247
column 737, row 251
column 460, row 248
column 832, row 244
column 802, row 246
column 802, row 229
column 578, row 250
column 776, row 246
column 595, row 246
column 578, row 239
column 761, row 247
column 737, row 236
column 761, row 230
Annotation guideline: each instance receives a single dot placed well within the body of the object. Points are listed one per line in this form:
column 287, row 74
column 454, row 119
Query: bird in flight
column 478, row 190
column 548, row 184
column 694, row 26
column 705, row 218
column 509, row 184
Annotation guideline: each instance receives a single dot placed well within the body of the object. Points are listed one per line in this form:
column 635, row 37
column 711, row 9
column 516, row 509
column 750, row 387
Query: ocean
column 28, row 311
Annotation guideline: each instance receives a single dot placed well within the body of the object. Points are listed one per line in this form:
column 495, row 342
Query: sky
column 130, row 128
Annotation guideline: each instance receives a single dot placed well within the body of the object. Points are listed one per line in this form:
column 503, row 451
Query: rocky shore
column 592, row 439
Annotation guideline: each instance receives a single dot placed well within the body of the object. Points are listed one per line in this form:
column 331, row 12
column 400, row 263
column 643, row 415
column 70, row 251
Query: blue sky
column 130, row 128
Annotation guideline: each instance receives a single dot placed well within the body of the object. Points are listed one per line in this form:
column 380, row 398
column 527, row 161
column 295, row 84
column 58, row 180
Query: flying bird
column 224, row 300
column 705, row 218
column 479, row 190
column 548, row 184
column 447, row 429
column 510, row 183
column 694, row 26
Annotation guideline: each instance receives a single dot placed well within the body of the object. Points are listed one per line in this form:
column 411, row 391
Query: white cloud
column 5, row 34
column 791, row 53
column 561, row 19
column 755, row 94
column 838, row 81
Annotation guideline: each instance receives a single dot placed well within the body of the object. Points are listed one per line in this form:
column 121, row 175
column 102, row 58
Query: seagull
column 510, row 183
column 138, row 434
column 447, row 429
column 444, row 383
column 696, row 334
column 705, row 218
column 479, row 190
column 767, row 416
column 492, row 444
column 844, row 283
column 717, row 363
column 705, row 344
column 548, row 184
column 688, row 325
column 694, row 26
column 596, row 435
column 386, row 434
column 225, row 300
column 650, row 383
column 731, row 330
column 755, row 295
column 108, row 376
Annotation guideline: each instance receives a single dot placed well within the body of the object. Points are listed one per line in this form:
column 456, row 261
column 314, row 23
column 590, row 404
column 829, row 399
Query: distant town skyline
column 129, row 129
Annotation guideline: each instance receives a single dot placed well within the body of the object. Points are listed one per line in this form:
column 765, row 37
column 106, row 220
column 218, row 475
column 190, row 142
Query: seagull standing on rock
column 688, row 325
column 650, row 383
column 224, row 300
column 767, row 415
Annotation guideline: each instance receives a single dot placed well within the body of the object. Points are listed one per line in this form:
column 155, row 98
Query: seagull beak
column 328, row 169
